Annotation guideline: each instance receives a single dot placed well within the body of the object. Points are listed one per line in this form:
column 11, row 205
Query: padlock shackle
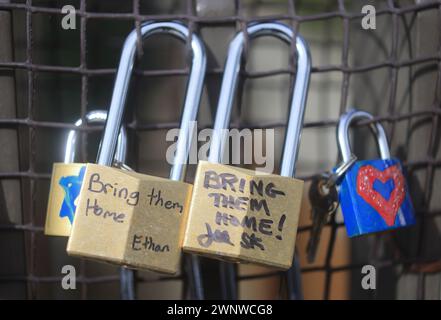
column 343, row 134
column 192, row 97
column 298, row 95
column 95, row 117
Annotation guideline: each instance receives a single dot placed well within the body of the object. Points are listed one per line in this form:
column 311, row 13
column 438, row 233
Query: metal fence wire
column 50, row 76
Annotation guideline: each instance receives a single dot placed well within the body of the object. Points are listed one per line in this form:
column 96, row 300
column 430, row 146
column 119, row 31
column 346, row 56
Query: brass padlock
column 130, row 218
column 237, row 214
column 67, row 178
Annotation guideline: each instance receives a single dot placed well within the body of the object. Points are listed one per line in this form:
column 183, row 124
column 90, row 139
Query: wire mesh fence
column 36, row 56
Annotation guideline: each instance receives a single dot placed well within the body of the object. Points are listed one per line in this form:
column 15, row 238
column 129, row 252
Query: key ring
column 340, row 171
column 330, row 179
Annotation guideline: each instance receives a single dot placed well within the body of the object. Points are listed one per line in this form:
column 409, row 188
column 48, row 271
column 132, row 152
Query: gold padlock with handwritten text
column 67, row 177
column 130, row 218
column 242, row 215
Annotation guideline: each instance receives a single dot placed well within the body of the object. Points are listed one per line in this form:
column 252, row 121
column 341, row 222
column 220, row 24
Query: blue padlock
column 373, row 194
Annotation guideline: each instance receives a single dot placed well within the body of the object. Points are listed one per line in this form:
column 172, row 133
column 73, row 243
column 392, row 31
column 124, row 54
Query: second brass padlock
column 67, row 178
column 241, row 215
column 130, row 218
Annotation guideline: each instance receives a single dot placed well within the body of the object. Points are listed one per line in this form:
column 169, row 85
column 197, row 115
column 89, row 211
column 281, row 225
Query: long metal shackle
column 294, row 126
column 189, row 111
column 192, row 97
column 343, row 134
column 298, row 98
column 95, row 117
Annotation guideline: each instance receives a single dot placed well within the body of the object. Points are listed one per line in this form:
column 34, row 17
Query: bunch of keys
column 323, row 196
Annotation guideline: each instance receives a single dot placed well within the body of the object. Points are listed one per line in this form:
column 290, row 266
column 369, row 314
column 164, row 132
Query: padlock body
column 374, row 197
column 241, row 215
column 130, row 219
column 64, row 189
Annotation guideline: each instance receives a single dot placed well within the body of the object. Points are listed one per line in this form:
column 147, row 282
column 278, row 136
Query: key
column 324, row 201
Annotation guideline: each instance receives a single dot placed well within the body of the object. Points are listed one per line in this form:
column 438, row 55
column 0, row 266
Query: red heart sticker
column 365, row 187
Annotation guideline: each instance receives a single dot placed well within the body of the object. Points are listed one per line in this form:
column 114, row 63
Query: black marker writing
column 251, row 241
column 98, row 186
column 140, row 241
column 207, row 239
column 97, row 210
column 257, row 225
column 221, row 200
column 229, row 181
column 156, row 199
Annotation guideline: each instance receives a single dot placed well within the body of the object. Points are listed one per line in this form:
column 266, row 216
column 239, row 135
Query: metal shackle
column 298, row 95
column 95, row 117
column 343, row 134
column 192, row 97
column 295, row 119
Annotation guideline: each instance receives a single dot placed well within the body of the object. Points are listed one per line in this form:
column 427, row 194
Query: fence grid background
column 28, row 122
